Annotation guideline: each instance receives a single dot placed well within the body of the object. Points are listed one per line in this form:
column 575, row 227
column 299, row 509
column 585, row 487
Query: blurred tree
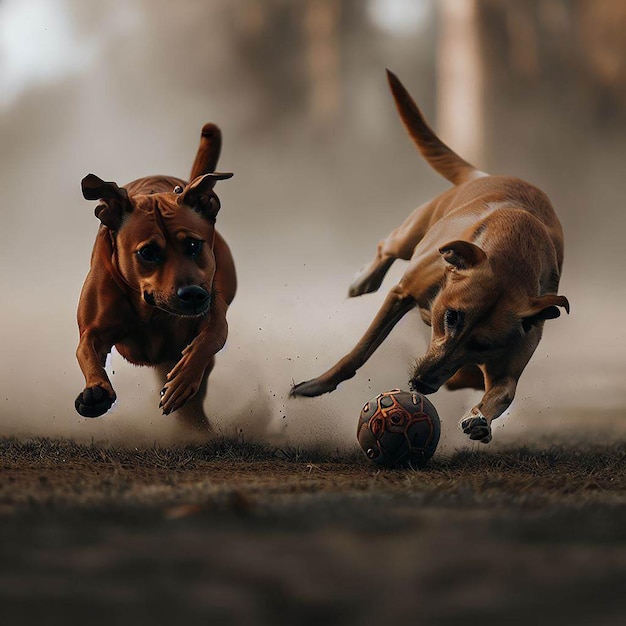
column 460, row 79
column 323, row 58
column 602, row 28
column 572, row 46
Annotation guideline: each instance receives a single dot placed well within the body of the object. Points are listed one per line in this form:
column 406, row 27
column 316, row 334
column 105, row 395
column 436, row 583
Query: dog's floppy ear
column 462, row 254
column 543, row 308
column 199, row 196
column 114, row 199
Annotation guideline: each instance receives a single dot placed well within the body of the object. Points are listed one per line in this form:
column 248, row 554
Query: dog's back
column 475, row 191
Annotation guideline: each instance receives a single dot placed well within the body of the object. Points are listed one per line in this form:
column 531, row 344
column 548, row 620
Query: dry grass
column 242, row 533
column 65, row 475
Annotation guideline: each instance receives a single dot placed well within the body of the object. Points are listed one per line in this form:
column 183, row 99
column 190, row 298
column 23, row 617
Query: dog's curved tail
column 441, row 158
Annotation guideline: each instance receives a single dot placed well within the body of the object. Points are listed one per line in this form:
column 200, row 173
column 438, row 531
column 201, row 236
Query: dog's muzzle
column 416, row 384
column 189, row 301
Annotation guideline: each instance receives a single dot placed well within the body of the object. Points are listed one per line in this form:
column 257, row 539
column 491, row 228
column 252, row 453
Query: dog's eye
column 150, row 253
column 452, row 318
column 193, row 247
column 178, row 189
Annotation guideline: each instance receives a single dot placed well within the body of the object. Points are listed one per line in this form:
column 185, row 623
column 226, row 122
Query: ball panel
column 399, row 429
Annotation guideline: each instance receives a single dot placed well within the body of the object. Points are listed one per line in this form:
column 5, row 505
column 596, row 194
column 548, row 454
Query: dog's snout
column 193, row 296
column 420, row 385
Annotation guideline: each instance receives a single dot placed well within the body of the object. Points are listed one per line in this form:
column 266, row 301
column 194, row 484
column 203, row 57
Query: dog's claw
column 477, row 427
column 94, row 401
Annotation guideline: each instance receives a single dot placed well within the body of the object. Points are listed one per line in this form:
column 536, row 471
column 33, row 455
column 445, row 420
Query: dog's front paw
column 180, row 387
column 477, row 426
column 312, row 388
column 94, row 401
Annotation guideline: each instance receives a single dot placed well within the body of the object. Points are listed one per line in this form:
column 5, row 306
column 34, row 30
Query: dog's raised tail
column 441, row 158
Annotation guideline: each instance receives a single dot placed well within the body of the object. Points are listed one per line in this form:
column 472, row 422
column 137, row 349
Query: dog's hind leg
column 397, row 303
column 399, row 244
column 370, row 277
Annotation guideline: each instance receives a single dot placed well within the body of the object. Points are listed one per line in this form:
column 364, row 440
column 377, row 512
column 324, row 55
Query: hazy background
column 323, row 170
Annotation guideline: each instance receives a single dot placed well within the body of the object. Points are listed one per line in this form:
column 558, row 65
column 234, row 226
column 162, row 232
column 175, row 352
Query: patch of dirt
column 244, row 533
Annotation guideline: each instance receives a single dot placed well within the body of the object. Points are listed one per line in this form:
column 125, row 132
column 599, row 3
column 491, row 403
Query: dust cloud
column 122, row 89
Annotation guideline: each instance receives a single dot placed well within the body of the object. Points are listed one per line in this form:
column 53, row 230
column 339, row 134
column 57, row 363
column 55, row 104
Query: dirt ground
column 250, row 534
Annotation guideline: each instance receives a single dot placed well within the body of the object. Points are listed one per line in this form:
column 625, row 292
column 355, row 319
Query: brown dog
column 160, row 283
column 485, row 262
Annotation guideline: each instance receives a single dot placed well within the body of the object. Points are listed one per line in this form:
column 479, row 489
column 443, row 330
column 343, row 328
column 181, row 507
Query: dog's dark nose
column 421, row 386
column 192, row 296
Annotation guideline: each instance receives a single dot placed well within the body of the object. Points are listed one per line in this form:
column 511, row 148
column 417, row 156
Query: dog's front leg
column 191, row 415
column 501, row 376
column 397, row 303
column 187, row 376
column 497, row 399
column 98, row 395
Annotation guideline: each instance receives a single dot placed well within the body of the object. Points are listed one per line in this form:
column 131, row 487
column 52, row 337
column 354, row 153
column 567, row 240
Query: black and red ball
column 399, row 429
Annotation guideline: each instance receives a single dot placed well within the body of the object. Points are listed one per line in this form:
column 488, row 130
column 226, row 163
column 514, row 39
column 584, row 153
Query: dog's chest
column 155, row 343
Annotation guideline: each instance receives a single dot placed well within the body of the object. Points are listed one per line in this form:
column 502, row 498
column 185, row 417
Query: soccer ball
column 399, row 429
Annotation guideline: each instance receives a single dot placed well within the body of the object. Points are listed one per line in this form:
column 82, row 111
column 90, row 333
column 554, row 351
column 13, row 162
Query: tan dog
column 485, row 262
column 160, row 283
